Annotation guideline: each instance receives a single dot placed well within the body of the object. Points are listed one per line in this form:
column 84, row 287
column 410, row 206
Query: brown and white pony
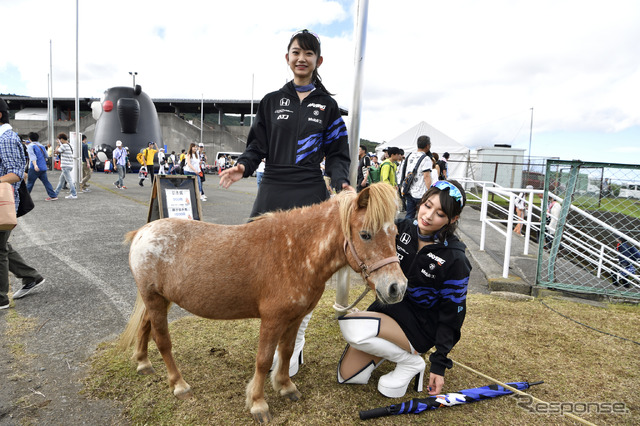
column 275, row 268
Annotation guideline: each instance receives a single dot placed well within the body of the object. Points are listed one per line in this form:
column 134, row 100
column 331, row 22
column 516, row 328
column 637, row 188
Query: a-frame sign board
column 174, row 196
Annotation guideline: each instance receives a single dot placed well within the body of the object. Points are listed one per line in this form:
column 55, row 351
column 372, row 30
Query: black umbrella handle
column 375, row 413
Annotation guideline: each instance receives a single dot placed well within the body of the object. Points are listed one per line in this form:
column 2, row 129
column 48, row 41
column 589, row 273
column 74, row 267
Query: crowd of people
column 411, row 175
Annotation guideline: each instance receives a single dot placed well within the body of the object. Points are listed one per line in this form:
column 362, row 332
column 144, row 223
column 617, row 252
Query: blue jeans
column 197, row 178
column 66, row 175
column 42, row 175
column 259, row 177
column 122, row 170
column 412, row 207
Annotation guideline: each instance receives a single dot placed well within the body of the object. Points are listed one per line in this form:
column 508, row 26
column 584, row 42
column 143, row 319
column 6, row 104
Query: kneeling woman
column 432, row 311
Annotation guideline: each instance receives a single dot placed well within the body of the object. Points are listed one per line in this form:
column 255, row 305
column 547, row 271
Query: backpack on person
column 140, row 157
column 409, row 178
column 374, row 174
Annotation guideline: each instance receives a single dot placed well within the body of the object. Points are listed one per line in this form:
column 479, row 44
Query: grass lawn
column 507, row 340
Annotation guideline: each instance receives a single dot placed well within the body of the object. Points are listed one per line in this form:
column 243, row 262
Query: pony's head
column 368, row 225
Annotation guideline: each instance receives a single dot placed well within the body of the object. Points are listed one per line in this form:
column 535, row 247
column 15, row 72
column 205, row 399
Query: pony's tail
column 128, row 237
column 130, row 333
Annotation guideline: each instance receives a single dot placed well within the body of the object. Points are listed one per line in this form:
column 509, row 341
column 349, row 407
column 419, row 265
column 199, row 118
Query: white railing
column 580, row 244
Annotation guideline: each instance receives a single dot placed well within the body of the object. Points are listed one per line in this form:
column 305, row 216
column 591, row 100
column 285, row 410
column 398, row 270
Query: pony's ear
column 363, row 198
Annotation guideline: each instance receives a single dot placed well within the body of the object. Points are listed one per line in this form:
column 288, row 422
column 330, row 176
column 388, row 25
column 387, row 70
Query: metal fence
column 592, row 236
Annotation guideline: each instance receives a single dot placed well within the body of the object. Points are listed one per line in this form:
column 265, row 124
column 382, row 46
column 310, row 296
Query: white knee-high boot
column 297, row 358
column 361, row 377
column 361, row 333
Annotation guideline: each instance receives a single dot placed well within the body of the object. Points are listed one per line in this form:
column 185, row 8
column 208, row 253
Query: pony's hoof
column 262, row 417
column 146, row 371
column 294, row 396
column 291, row 392
column 183, row 394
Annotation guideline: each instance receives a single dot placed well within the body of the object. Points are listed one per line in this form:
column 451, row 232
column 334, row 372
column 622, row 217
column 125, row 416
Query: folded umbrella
column 466, row 396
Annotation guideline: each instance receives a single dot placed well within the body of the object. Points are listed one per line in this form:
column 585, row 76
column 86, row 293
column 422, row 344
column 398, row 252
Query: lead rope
column 343, row 310
column 518, row 391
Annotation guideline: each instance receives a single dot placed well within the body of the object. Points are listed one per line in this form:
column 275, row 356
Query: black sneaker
column 28, row 287
column 4, row 305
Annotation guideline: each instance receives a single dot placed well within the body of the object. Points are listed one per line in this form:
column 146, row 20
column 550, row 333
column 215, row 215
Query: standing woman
column 434, row 305
column 295, row 127
column 192, row 167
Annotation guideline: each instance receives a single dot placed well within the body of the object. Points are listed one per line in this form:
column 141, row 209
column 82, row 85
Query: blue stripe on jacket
column 455, row 291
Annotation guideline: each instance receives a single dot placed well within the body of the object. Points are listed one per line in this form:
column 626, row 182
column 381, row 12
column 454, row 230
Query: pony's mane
column 381, row 202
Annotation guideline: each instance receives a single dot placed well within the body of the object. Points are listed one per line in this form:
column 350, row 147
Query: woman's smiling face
column 302, row 62
column 431, row 217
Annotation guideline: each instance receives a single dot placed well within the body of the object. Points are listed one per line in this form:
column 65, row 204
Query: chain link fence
column 591, row 228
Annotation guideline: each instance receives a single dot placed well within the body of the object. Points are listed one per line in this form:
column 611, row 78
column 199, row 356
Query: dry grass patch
column 507, row 340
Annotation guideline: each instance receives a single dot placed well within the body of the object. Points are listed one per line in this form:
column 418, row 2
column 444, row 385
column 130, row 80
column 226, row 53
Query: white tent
column 440, row 143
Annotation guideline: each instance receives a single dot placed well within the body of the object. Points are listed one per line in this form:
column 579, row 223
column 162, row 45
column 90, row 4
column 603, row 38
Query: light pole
column 133, row 73
column 530, row 131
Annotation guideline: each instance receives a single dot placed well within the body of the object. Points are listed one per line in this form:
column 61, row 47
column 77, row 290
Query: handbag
column 25, row 205
column 8, row 219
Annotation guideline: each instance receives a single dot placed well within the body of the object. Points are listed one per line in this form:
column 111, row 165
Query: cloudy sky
column 471, row 69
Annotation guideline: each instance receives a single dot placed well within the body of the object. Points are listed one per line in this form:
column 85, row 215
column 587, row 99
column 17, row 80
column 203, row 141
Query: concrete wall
column 176, row 132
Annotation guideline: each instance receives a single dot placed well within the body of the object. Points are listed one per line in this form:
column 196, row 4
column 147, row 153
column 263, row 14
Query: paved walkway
column 522, row 269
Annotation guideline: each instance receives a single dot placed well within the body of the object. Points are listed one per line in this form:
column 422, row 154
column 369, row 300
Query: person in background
column 520, row 205
column 221, row 163
column 260, row 172
column 554, row 209
column 162, row 161
column 294, row 144
column 432, row 311
column 444, row 166
column 435, row 169
column 629, row 257
column 12, row 165
column 171, row 163
column 374, row 170
column 364, row 162
column 120, row 163
column 38, row 166
column 192, row 167
column 66, row 165
column 50, row 156
column 87, row 166
column 203, row 166
column 389, row 167
column 422, row 180
column 149, row 154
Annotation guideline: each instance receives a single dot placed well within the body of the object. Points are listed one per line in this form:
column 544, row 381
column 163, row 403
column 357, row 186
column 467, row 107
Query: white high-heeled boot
column 297, row 358
column 361, row 377
column 361, row 333
column 408, row 366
